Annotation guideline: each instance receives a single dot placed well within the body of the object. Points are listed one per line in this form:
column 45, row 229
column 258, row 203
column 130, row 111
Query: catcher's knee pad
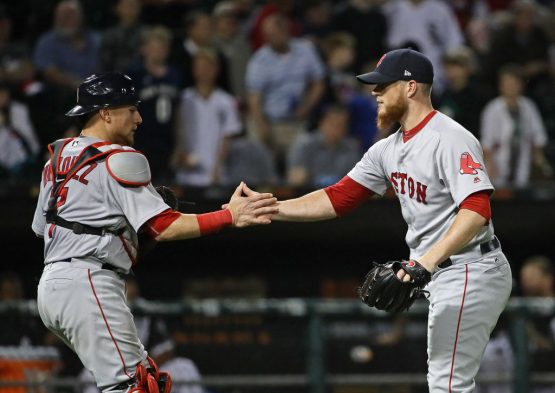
column 151, row 380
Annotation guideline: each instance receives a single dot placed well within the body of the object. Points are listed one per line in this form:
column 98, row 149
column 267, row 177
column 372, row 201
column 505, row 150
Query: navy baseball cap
column 400, row 65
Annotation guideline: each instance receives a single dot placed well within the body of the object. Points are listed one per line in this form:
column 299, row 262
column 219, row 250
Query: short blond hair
column 159, row 33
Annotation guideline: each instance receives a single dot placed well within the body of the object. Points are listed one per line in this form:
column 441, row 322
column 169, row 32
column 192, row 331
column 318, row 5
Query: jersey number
column 81, row 179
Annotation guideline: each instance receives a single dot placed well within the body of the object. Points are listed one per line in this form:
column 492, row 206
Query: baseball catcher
column 382, row 288
column 96, row 199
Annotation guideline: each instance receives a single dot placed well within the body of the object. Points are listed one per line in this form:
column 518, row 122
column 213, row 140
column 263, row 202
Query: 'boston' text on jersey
column 403, row 184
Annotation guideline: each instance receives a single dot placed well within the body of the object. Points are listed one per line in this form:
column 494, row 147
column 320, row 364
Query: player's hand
column 253, row 209
column 405, row 277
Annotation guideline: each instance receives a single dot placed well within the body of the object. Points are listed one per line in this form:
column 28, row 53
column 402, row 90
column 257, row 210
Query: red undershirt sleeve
column 157, row 224
column 346, row 195
column 479, row 203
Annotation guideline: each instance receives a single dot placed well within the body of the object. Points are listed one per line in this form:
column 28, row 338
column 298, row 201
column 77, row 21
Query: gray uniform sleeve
column 461, row 168
column 39, row 219
column 138, row 204
column 369, row 171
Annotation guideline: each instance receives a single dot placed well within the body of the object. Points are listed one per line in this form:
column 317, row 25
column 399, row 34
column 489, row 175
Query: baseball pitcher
column 436, row 169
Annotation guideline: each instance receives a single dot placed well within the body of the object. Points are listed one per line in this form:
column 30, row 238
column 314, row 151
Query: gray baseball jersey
column 431, row 173
column 94, row 197
column 80, row 301
column 432, row 169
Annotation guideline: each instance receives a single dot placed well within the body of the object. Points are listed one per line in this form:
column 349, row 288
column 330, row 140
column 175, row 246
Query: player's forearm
column 185, row 227
column 466, row 225
column 315, row 206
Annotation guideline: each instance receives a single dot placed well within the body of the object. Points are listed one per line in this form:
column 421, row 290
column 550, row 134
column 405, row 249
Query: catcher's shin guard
column 150, row 380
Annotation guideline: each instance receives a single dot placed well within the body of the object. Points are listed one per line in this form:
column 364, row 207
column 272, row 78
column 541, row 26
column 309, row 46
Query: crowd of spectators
column 264, row 91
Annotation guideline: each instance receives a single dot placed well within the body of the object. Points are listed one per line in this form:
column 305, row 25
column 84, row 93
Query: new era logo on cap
column 395, row 65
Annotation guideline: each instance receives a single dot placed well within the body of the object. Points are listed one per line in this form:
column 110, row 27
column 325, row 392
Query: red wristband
column 215, row 221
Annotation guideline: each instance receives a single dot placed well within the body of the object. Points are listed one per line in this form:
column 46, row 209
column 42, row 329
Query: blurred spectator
column 284, row 84
column 120, row 44
column 468, row 10
column 16, row 67
column 167, row 12
column 522, row 41
column 68, row 52
column 182, row 370
column 208, row 118
column 199, row 35
column 250, row 161
column 19, row 145
column 436, row 32
column 512, row 133
column 323, row 157
column 341, row 87
column 478, row 35
column 363, row 111
column 316, row 21
column 286, row 8
column 368, row 25
column 157, row 83
column 339, row 55
column 245, row 13
column 545, row 99
column 537, row 279
column 64, row 56
column 233, row 44
column 462, row 99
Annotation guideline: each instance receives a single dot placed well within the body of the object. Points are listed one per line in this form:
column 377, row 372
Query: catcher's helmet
column 104, row 90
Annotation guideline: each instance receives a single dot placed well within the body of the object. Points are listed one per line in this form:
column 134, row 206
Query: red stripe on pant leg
column 458, row 326
column 107, row 326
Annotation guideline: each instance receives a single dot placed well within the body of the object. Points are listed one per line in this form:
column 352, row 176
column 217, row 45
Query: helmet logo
column 98, row 89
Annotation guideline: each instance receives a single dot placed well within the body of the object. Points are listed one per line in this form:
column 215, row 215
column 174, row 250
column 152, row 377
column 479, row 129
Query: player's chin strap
column 150, row 380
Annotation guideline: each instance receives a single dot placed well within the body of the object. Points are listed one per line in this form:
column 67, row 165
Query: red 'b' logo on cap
column 380, row 61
